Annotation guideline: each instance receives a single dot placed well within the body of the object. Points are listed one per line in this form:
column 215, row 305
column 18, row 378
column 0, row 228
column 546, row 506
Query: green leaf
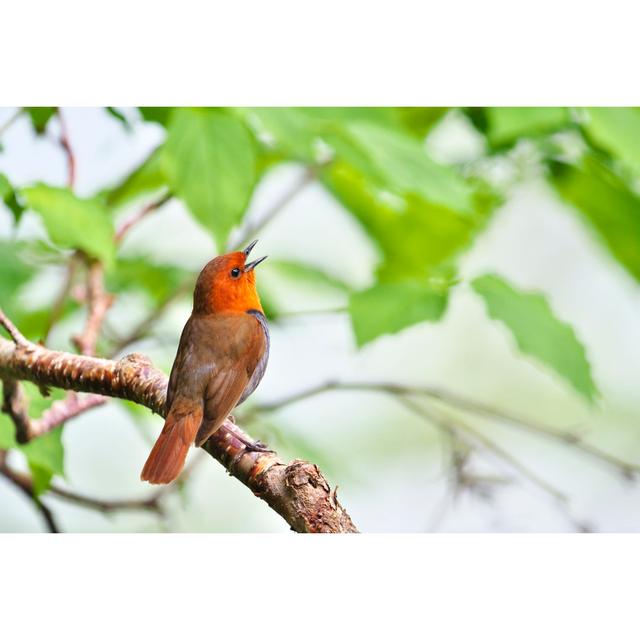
column 291, row 131
column 617, row 129
column 46, row 451
column 73, row 222
column 420, row 120
column 389, row 308
column 210, row 161
column 7, row 433
column 296, row 131
column 41, row 478
column 506, row 124
column 156, row 114
column 40, row 117
column 415, row 237
column 537, row 331
column 118, row 115
column 147, row 178
column 607, row 203
column 8, row 196
column 384, row 116
column 400, row 163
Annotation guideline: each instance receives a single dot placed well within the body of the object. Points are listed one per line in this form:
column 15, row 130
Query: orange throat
column 239, row 299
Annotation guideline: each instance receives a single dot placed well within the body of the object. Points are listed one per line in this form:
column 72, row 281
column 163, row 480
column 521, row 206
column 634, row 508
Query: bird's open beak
column 252, row 265
column 247, row 251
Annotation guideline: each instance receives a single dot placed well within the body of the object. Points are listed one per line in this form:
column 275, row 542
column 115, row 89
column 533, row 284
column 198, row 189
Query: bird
column 221, row 358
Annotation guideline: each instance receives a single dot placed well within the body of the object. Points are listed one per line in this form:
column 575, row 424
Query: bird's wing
column 182, row 364
column 238, row 344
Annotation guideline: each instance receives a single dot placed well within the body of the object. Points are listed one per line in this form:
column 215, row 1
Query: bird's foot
column 255, row 445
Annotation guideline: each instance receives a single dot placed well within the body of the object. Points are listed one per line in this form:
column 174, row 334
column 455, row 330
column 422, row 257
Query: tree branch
column 108, row 506
column 143, row 213
column 628, row 469
column 297, row 491
column 457, row 427
column 7, row 125
column 98, row 303
column 249, row 232
column 64, row 410
column 15, row 404
column 145, row 326
column 66, row 146
column 25, row 485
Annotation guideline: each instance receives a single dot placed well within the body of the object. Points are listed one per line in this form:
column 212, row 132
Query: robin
column 221, row 359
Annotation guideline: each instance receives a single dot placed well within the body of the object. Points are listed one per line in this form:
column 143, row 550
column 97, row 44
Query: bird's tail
column 166, row 460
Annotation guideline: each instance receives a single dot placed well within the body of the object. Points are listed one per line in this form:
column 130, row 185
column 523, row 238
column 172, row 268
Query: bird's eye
column 235, row 272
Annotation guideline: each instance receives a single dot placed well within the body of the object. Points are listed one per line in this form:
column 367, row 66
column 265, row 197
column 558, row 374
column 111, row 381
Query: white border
column 77, row 53
column 394, row 586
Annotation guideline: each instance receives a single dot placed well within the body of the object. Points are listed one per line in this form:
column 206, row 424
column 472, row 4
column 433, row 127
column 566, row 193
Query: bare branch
column 61, row 411
column 66, row 146
column 456, row 401
column 12, row 330
column 251, row 230
column 8, row 123
column 448, row 424
column 143, row 329
column 24, row 482
column 16, row 405
column 108, row 506
column 26, row 487
column 98, row 302
column 127, row 225
column 297, row 491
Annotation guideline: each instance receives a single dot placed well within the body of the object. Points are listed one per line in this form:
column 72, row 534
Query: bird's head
column 228, row 284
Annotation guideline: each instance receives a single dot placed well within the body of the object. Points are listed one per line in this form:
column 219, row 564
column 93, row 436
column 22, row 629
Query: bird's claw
column 258, row 447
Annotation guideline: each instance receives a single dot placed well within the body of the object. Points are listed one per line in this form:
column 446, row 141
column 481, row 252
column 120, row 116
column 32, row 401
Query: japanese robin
column 221, row 359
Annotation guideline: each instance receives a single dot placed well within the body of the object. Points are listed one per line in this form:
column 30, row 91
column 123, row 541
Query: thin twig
column 446, row 423
column 61, row 411
column 16, row 405
column 142, row 329
column 25, row 485
column 66, row 146
column 13, row 331
column 456, row 401
column 98, row 302
column 286, row 315
column 561, row 500
column 251, row 230
column 108, row 506
column 9, row 123
column 145, row 211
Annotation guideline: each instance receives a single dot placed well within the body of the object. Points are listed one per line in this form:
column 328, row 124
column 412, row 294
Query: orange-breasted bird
column 221, row 358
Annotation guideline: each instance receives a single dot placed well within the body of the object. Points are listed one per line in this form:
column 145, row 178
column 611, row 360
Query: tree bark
column 298, row 491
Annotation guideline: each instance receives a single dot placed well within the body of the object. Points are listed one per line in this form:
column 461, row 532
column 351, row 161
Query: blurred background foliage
column 420, row 201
